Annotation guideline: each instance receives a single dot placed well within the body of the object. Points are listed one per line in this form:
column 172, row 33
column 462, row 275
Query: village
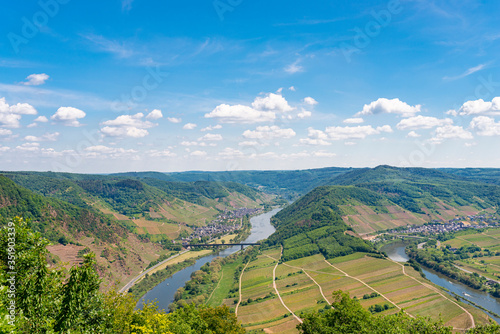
column 226, row 222
column 453, row 225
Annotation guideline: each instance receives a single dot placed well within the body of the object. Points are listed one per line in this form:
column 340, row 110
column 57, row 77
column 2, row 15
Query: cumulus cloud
column 155, row 114
column 314, row 142
column 272, row 102
column 310, row 101
column 353, row 120
column 269, row 132
column 422, row 122
column 214, row 127
column 231, row 153
column 10, row 115
column 113, row 152
column 386, row 106
column 485, row 126
column 304, row 114
column 161, row 154
column 262, row 109
column 28, row 147
column 412, row 134
column 248, row 143
column 198, row 153
column 69, row 116
column 240, row 114
column 354, row 132
column 36, row 79
column 189, row 126
column 210, row 137
column 45, row 137
column 174, row 120
column 41, row 119
column 451, row 132
column 5, row 132
column 316, row 134
column 132, row 126
column 481, row 107
column 292, row 88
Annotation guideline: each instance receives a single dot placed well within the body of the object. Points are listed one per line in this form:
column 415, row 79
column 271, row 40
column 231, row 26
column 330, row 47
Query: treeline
column 39, row 299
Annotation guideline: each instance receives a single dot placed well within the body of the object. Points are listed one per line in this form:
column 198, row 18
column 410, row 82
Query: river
column 164, row 292
column 396, row 251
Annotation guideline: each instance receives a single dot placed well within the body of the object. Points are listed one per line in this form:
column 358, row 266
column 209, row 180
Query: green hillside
column 416, row 189
column 314, row 224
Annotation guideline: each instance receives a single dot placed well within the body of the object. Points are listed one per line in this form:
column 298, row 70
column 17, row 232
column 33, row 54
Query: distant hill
column 286, row 183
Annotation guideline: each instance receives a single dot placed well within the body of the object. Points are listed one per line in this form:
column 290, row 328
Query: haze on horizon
column 134, row 85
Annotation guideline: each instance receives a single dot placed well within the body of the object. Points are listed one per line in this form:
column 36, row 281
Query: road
column 147, row 271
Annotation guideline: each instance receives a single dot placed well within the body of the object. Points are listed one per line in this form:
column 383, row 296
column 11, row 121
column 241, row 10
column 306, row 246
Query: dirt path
column 239, row 301
column 278, row 293
column 360, row 281
column 438, row 292
column 221, row 276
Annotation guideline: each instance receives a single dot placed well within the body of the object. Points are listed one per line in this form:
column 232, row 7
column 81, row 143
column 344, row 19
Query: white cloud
column 155, row 114
column 485, row 126
column 127, row 126
column 131, row 132
column 45, row 137
column 101, row 150
column 41, row 119
column 10, row 115
column 467, row 72
column 422, row 122
column 161, row 154
column 324, row 154
column 189, row 126
column 4, row 148
column 210, row 137
column 353, row 120
column 481, row 107
column 292, row 88
column 310, row 101
column 294, row 67
column 269, row 132
column 240, row 114
column 452, row 112
column 451, row 132
column 69, row 116
column 28, row 147
column 214, row 127
column 174, row 120
column 5, row 132
column 36, row 79
column 272, row 102
column 189, row 143
column 412, row 134
column 231, row 153
column 198, row 153
column 248, row 143
column 386, row 106
column 316, row 134
column 314, row 142
column 355, row 132
column 304, row 114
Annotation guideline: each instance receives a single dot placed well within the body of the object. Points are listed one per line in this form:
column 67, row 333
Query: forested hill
column 130, row 196
column 416, row 189
column 55, row 219
column 314, row 224
column 287, row 183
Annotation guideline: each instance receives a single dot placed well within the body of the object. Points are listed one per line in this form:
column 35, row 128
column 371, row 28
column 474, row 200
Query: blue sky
column 133, row 85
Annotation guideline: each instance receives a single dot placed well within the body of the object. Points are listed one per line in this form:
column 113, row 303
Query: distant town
column 226, row 222
column 453, row 225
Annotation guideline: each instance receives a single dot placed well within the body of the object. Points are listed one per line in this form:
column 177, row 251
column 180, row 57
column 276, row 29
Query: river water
column 164, row 292
column 396, row 251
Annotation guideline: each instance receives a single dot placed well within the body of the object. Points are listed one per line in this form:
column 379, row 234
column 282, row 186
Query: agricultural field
column 306, row 285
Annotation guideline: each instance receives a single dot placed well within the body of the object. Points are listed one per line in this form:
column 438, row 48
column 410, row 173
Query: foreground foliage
column 46, row 300
column 348, row 316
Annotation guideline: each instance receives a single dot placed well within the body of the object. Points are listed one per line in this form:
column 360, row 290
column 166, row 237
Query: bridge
column 242, row 244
